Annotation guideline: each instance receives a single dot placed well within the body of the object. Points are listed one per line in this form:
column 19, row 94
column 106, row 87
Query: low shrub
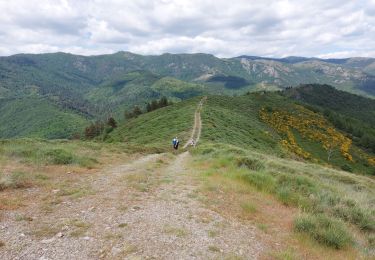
column 300, row 184
column 15, row 180
column 362, row 218
column 287, row 196
column 87, row 162
column 252, row 164
column 346, row 168
column 328, row 231
column 262, row 181
column 59, row 156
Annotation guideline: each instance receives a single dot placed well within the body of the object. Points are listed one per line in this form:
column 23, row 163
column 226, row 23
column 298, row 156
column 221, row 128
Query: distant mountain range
column 91, row 87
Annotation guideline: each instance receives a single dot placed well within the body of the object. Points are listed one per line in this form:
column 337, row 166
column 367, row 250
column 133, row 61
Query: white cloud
column 322, row 28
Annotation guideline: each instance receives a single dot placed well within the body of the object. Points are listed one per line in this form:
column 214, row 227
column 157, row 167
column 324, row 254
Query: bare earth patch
column 146, row 209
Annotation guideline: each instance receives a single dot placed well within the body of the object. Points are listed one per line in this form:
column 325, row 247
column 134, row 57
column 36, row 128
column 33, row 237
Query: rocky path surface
column 147, row 209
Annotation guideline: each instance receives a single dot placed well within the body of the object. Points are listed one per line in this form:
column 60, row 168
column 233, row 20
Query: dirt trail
column 197, row 128
column 147, row 209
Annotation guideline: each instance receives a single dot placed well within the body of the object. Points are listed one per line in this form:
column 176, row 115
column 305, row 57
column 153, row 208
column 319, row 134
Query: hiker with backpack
column 175, row 143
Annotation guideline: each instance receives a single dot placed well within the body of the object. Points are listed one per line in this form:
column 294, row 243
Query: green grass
column 325, row 230
column 248, row 207
column 336, row 202
column 156, row 129
column 235, row 121
column 57, row 152
column 36, row 117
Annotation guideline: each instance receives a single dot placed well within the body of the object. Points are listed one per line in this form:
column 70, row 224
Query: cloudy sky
column 226, row 28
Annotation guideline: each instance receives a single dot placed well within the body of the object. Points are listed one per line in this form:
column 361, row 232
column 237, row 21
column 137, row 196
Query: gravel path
column 197, row 128
column 148, row 209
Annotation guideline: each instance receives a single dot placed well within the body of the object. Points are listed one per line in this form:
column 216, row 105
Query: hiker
column 175, row 143
column 192, row 143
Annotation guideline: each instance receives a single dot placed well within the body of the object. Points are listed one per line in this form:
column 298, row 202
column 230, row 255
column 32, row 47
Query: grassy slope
column 335, row 207
column 35, row 117
column 237, row 146
column 235, row 120
column 157, row 128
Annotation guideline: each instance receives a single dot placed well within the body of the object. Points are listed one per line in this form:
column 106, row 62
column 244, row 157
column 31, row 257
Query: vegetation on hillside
column 155, row 130
column 96, row 87
column 263, row 142
column 310, row 126
column 37, row 117
column 336, row 208
column 350, row 113
column 274, row 124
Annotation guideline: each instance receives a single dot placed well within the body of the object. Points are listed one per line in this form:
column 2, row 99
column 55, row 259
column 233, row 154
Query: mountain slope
column 36, row 117
column 156, row 129
column 269, row 123
column 74, row 73
column 328, row 97
column 350, row 113
column 96, row 87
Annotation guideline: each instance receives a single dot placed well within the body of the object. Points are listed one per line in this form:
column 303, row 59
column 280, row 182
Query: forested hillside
column 352, row 114
column 97, row 87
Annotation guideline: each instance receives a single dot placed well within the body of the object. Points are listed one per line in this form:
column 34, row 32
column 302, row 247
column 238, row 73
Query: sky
column 225, row 28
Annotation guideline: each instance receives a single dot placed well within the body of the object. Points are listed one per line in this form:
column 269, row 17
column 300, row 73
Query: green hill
column 265, row 122
column 99, row 86
column 37, row 117
column 352, row 114
column 156, row 129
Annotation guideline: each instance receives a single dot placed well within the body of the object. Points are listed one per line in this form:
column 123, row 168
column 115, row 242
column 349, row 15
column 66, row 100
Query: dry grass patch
column 140, row 181
column 213, row 248
column 128, row 249
column 16, row 180
column 112, row 236
column 248, row 207
column 79, row 227
column 45, row 230
column 176, row 231
column 213, row 233
column 11, row 203
column 23, row 218
column 122, row 225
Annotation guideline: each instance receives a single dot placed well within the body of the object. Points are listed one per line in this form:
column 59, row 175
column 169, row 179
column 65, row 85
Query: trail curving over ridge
column 197, row 128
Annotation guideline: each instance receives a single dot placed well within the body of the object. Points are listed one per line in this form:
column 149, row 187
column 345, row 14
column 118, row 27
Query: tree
column 112, row 122
column 148, row 107
column 163, row 102
column 154, row 105
column 136, row 111
column 93, row 130
column 128, row 115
